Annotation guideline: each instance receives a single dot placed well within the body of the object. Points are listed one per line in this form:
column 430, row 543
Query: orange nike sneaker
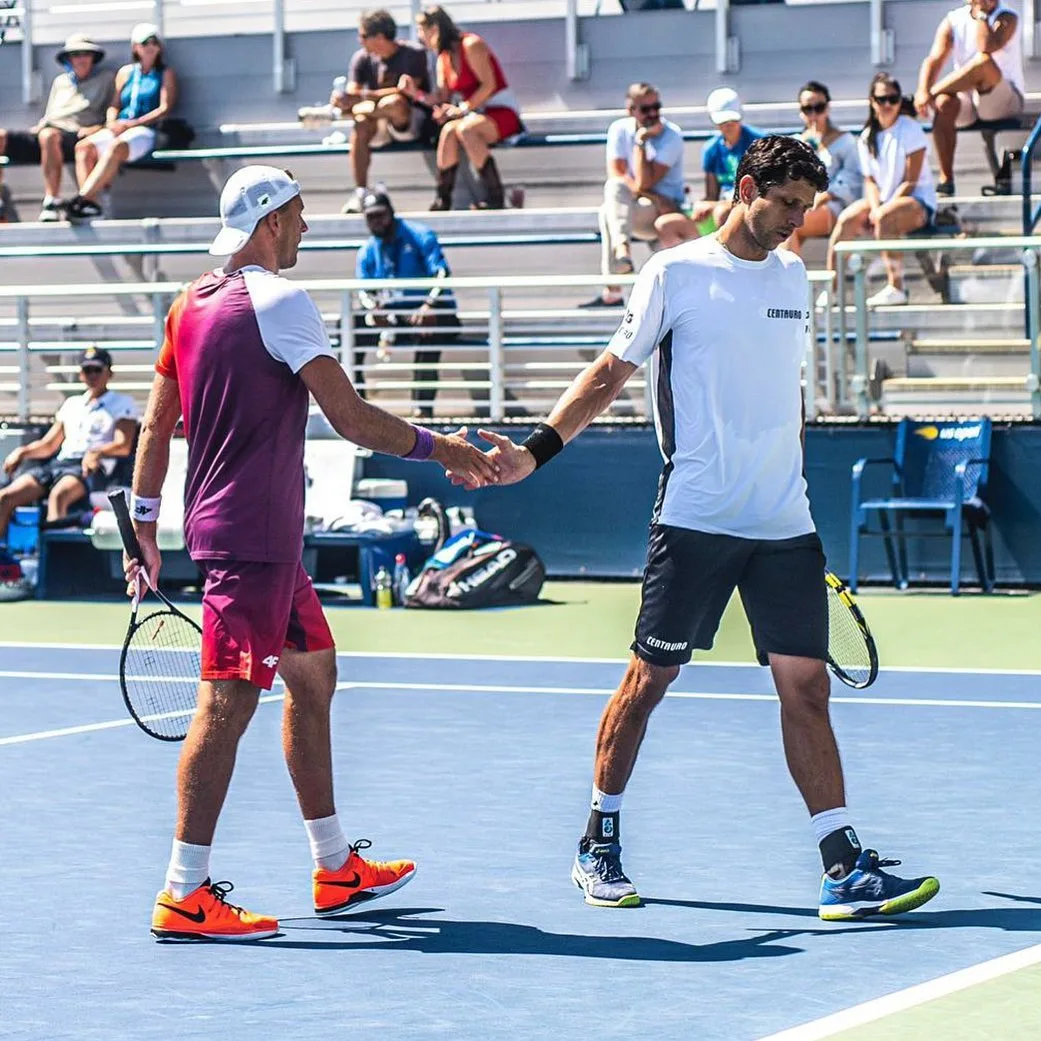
column 205, row 914
column 358, row 882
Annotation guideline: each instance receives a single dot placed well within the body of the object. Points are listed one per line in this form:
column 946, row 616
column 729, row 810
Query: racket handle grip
column 118, row 499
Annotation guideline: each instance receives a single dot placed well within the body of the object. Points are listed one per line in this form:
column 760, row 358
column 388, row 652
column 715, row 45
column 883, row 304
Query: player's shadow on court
column 1009, row 919
column 403, row 929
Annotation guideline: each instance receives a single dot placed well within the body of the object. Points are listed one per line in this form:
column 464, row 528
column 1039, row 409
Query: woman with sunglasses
column 145, row 91
column 486, row 113
column 837, row 150
column 899, row 193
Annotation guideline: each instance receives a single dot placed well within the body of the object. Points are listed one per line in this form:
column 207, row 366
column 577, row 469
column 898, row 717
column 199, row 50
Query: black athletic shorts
column 24, row 147
column 50, row 473
column 691, row 575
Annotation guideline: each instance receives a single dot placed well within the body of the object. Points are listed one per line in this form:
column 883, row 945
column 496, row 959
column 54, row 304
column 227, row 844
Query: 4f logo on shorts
column 270, row 661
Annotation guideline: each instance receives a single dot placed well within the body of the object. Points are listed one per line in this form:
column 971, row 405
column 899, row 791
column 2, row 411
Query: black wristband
column 543, row 443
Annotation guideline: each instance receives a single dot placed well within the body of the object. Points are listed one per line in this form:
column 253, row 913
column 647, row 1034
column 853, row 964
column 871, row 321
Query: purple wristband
column 423, row 447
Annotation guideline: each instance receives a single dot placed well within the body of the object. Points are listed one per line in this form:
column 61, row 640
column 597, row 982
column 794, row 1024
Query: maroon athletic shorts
column 251, row 611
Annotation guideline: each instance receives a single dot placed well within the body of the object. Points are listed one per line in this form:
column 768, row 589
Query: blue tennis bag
column 477, row 569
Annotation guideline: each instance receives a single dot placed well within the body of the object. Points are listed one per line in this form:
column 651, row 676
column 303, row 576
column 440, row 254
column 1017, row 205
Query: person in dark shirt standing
column 422, row 318
column 381, row 111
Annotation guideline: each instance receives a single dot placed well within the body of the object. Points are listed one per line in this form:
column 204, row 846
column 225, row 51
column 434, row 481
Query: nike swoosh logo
column 352, row 883
column 199, row 916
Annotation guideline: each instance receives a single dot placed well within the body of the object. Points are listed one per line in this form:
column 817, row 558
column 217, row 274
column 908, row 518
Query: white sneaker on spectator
column 353, row 203
column 888, row 296
column 51, row 211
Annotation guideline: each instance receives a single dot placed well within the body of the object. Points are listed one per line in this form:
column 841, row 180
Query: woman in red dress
column 486, row 111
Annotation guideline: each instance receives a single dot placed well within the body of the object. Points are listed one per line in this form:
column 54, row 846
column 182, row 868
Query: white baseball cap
column 144, row 31
column 724, row 105
column 249, row 195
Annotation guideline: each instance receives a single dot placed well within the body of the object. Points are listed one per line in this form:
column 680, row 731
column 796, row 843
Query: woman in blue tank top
column 145, row 92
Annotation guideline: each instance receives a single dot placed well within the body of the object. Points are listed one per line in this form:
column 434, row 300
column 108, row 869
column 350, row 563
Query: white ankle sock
column 604, row 803
column 189, row 868
column 826, row 822
column 328, row 846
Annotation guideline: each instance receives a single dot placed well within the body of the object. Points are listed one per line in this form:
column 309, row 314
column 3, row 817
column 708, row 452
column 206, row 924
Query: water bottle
column 30, row 570
column 384, row 590
column 401, row 579
column 340, row 85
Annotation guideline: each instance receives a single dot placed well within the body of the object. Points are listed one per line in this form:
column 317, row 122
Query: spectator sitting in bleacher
column 644, row 181
column 837, row 149
column 485, row 114
column 899, row 195
column 382, row 111
column 90, row 433
column 985, row 41
column 145, row 91
column 422, row 318
column 75, row 109
column 719, row 162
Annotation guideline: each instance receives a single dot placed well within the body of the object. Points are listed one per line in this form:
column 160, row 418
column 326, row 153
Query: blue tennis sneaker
column 868, row 890
column 597, row 871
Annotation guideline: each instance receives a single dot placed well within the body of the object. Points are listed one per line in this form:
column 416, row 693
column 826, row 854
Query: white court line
column 879, row 1008
column 479, row 688
column 499, row 688
column 699, row 695
column 439, row 656
column 111, row 724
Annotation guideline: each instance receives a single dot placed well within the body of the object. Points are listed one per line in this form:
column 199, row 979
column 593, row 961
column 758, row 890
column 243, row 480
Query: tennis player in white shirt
column 723, row 322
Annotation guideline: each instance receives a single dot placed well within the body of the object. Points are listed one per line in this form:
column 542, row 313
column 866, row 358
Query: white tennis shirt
column 727, row 338
column 89, row 423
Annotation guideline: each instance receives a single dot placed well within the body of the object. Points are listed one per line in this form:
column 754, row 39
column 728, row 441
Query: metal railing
column 852, row 388
column 520, row 345
column 1031, row 214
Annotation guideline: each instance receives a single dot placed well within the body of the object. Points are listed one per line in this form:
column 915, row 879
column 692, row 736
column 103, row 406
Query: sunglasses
column 150, row 42
column 647, row 110
column 813, row 110
column 886, row 99
column 92, row 370
column 81, row 54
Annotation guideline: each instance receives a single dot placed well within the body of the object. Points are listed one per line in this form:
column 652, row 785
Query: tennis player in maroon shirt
column 244, row 351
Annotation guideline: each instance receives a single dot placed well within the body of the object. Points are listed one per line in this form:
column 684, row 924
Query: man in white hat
column 245, row 350
column 719, row 161
column 75, row 109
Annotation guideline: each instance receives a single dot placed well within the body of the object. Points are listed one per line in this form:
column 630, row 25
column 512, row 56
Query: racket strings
column 161, row 672
column 847, row 646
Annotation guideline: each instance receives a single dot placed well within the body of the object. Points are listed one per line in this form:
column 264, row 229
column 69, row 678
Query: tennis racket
column 159, row 667
column 852, row 655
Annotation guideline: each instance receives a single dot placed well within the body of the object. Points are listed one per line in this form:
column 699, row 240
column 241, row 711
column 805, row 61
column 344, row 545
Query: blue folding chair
column 938, row 469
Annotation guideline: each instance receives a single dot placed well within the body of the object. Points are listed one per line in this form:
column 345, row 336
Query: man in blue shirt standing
column 719, row 161
column 644, row 181
column 420, row 318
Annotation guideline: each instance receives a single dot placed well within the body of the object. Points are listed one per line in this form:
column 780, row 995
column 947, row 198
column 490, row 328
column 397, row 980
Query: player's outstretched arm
column 370, row 427
column 590, row 394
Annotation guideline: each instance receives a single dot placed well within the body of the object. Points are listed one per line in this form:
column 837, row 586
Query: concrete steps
column 993, row 395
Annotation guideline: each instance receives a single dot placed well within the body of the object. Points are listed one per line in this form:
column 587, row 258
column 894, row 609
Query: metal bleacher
column 965, row 322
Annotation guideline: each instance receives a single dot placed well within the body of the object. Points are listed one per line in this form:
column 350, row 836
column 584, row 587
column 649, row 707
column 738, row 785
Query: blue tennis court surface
column 480, row 770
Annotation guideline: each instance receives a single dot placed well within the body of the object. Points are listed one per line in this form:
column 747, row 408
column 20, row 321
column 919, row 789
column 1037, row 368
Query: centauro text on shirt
column 726, row 339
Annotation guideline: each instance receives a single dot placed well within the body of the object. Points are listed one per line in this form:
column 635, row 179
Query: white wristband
column 144, row 509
